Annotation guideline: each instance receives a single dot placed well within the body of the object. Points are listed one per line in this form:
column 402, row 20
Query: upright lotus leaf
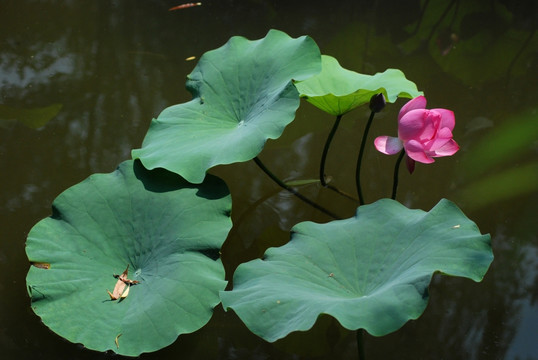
column 168, row 233
column 242, row 95
column 337, row 91
column 371, row 271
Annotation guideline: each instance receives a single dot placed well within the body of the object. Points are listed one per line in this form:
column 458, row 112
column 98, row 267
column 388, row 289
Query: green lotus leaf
column 371, row 271
column 242, row 95
column 337, row 91
column 167, row 231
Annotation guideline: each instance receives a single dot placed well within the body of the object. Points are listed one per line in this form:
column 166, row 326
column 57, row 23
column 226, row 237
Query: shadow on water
column 114, row 65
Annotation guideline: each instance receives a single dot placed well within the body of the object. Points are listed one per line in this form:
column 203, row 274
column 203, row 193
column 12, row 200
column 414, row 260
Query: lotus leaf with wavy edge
column 166, row 230
column 243, row 95
column 337, row 90
column 371, row 271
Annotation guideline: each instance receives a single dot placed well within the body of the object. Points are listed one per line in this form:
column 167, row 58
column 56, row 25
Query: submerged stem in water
column 292, row 190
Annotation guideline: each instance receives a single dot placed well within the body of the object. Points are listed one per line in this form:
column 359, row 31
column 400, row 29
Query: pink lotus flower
column 423, row 134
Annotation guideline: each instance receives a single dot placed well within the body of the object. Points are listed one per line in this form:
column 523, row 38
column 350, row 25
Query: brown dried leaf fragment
column 118, row 290
column 126, row 292
column 123, row 277
column 41, row 265
column 184, row 6
column 116, row 340
column 121, row 290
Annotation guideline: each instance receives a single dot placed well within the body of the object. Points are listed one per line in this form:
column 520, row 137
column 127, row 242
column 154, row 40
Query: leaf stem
column 360, row 344
column 359, row 159
column 322, row 178
column 396, row 171
column 292, row 190
column 326, row 151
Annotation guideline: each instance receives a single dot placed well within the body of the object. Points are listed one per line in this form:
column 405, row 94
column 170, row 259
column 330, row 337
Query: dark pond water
column 113, row 65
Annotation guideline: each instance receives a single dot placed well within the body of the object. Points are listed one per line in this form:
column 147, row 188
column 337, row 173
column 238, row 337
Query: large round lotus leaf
column 371, row 271
column 337, row 91
column 166, row 230
column 242, row 95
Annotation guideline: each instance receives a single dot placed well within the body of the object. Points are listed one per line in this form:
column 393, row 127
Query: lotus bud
column 377, row 102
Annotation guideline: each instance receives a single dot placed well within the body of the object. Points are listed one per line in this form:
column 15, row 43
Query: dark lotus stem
column 326, row 150
column 360, row 344
column 322, row 178
column 292, row 190
column 396, row 171
column 359, row 159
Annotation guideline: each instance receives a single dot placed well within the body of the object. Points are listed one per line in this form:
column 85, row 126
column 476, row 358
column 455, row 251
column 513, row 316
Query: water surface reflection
column 114, row 65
